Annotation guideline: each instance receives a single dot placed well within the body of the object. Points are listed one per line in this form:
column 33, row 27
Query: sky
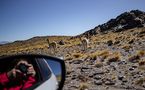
column 24, row 19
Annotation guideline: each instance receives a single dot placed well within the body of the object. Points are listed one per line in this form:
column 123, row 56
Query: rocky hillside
column 126, row 20
column 114, row 59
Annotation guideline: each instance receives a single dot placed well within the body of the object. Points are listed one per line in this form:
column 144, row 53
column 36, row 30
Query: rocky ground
column 113, row 67
column 99, row 74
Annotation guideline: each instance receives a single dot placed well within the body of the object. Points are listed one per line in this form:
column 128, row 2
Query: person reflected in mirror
column 20, row 77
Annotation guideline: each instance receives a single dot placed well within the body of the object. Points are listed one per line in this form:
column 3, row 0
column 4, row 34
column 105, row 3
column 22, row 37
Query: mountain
column 125, row 21
column 3, row 42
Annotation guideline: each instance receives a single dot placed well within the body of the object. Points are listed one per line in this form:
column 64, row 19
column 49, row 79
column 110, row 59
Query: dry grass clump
column 104, row 54
column 141, row 62
column 77, row 55
column 134, row 58
column 141, row 53
column 83, row 86
column 114, row 57
column 126, row 47
column 140, row 81
column 98, row 64
column 68, row 57
column 75, row 41
column 93, row 56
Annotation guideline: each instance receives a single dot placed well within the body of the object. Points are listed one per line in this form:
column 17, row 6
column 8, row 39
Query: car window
column 44, row 68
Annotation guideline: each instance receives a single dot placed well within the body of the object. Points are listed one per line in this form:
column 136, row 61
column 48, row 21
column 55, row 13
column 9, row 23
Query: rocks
column 134, row 58
column 131, row 69
column 110, row 42
column 122, row 62
column 99, row 71
column 116, row 42
column 134, row 66
column 97, row 77
column 61, row 42
column 121, row 73
column 142, row 32
column 143, row 85
column 98, row 82
column 74, row 77
column 109, row 82
column 131, row 41
column 124, row 80
column 121, row 77
column 85, row 69
column 127, row 20
column 77, row 61
column 113, row 59
column 98, row 64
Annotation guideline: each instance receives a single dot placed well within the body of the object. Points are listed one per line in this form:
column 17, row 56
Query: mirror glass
column 56, row 68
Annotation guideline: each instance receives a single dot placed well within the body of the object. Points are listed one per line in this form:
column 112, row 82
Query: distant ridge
column 3, row 42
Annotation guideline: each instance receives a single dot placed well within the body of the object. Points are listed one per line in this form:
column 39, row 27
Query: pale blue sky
column 24, row 19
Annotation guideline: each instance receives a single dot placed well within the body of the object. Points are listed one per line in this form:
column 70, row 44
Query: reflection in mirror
column 56, row 68
column 30, row 73
column 17, row 73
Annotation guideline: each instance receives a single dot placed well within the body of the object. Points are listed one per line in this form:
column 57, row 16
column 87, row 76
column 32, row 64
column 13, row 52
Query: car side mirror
column 37, row 72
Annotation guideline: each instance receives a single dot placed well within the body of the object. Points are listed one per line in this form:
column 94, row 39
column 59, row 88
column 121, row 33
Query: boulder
column 61, row 42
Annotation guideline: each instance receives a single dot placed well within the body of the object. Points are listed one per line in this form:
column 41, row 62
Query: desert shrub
column 126, row 47
column 77, row 55
column 93, row 56
column 141, row 62
column 114, row 57
column 139, row 81
column 134, row 58
column 68, row 57
column 109, row 42
column 98, row 64
column 141, row 53
column 104, row 54
column 83, row 86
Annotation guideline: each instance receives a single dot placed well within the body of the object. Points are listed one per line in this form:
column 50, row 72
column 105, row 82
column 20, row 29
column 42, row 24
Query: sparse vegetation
column 104, row 54
column 98, row 64
column 141, row 53
column 140, row 81
column 134, row 58
column 142, row 62
column 114, row 57
column 77, row 55
column 126, row 47
column 83, row 86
